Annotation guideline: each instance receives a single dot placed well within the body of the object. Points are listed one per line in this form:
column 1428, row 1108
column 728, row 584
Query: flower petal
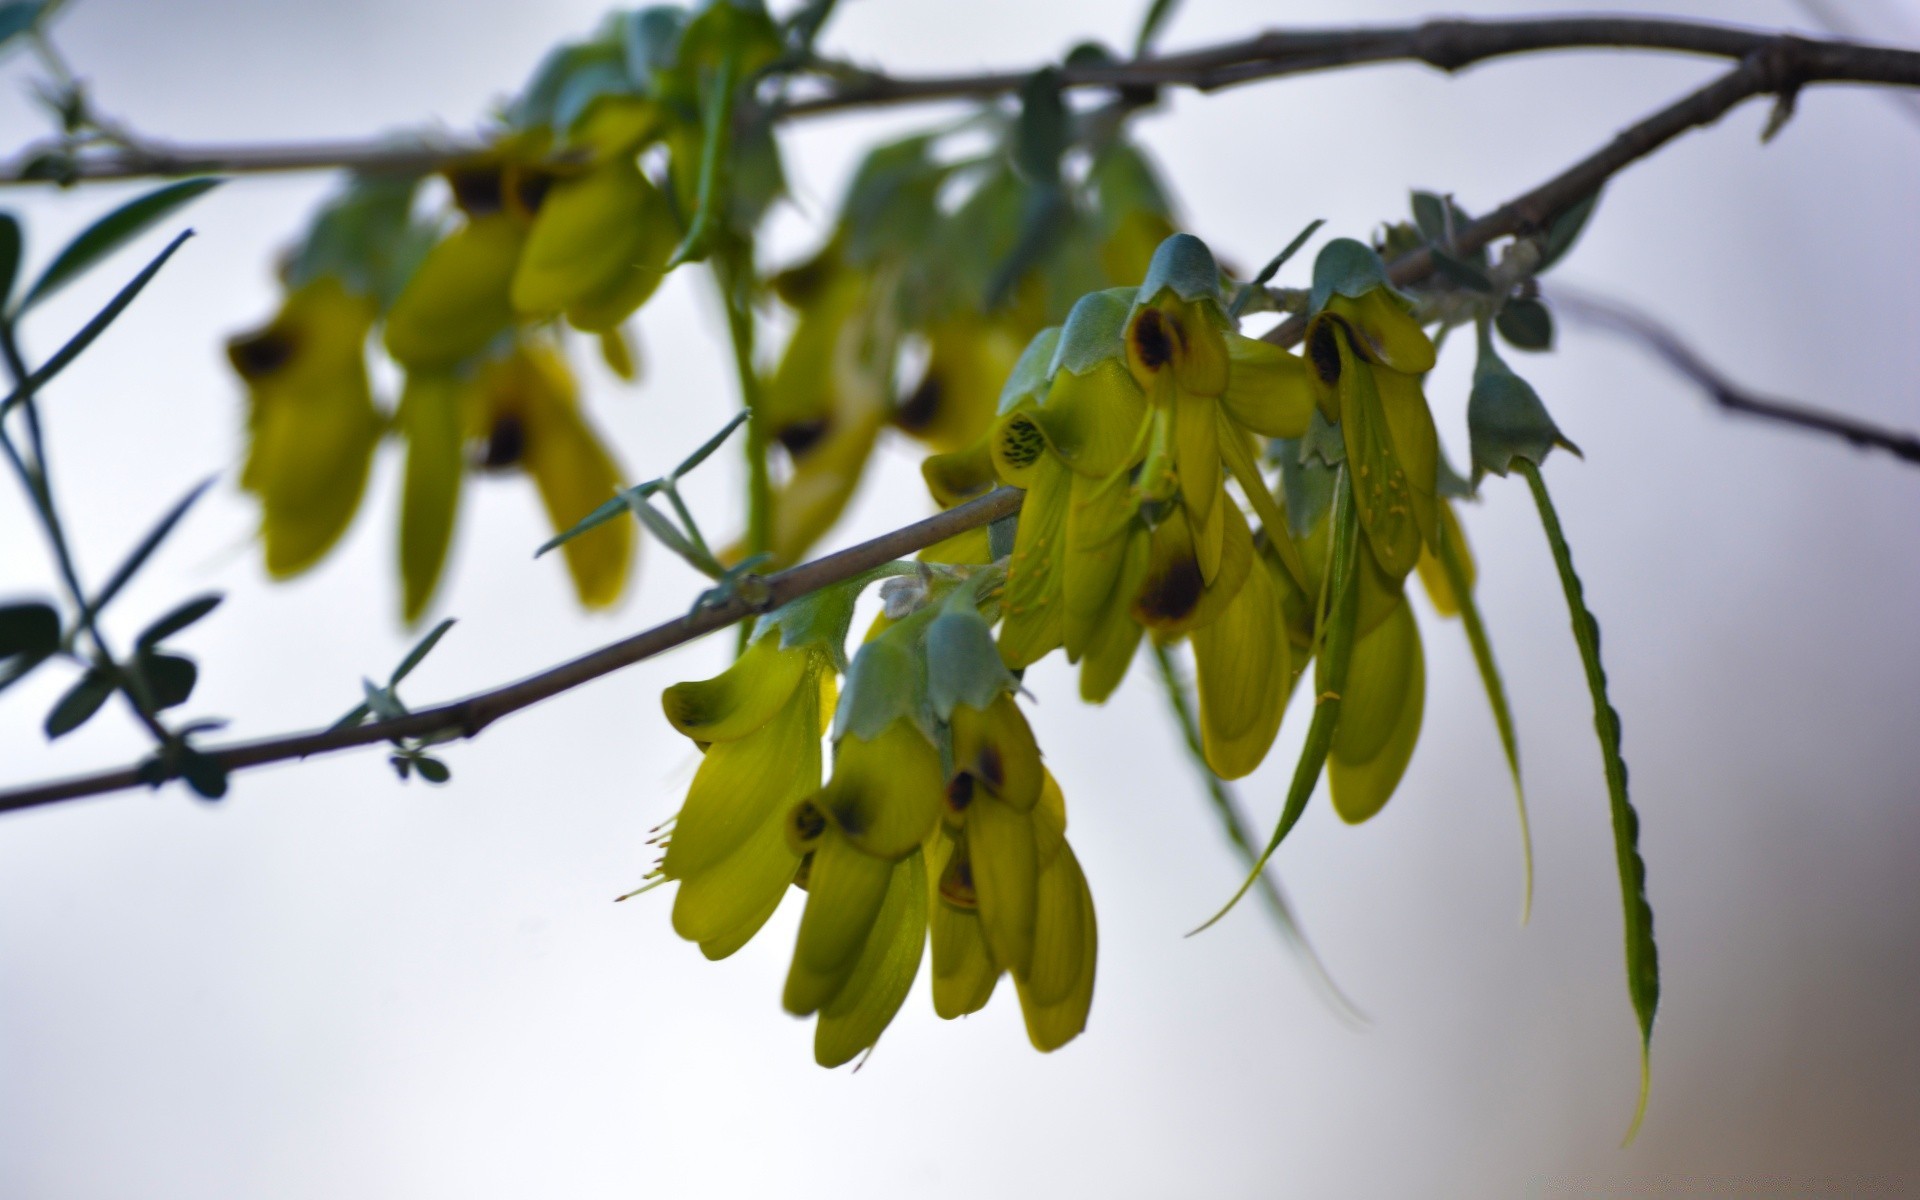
column 997, row 748
column 855, row 1018
column 741, row 698
column 1034, row 611
column 1379, row 679
column 430, row 419
column 1361, row 789
column 884, row 794
column 1006, row 872
column 1268, row 390
column 845, row 891
column 459, row 297
column 1051, row 1026
column 1174, row 597
column 964, row 973
column 1243, row 663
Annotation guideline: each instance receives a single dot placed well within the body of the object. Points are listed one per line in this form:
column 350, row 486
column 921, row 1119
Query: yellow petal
column 593, row 231
column 1382, row 487
column 1390, row 335
column 1415, row 444
column 1196, row 458
column 845, row 891
column 1267, row 388
column 885, row 794
column 311, row 422
column 1361, row 789
column 1209, row 538
column 1093, row 421
column 1100, row 521
column 1434, row 575
column 997, row 748
column 430, row 419
column 1051, row 1026
column 1116, row 635
column 1378, row 675
column 1175, row 597
column 960, row 475
column 855, row 1018
column 724, row 905
column 458, row 299
column 573, row 472
column 617, row 350
column 741, row 698
column 1059, row 933
column 1049, row 820
column 1006, row 870
column 731, row 941
column 964, row 973
column 743, row 786
column 1034, row 611
column 1243, row 665
column 967, row 362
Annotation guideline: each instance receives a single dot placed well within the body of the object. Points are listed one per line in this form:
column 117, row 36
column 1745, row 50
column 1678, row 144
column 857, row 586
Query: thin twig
column 468, row 716
column 1615, row 317
column 1448, row 45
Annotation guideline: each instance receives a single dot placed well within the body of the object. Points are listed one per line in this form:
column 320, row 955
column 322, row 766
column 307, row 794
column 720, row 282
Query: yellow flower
column 522, row 411
column 759, row 725
column 459, row 299
column 968, row 359
column 601, row 237
column 311, row 423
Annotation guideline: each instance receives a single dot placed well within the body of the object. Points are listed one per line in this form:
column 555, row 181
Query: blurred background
column 331, row 984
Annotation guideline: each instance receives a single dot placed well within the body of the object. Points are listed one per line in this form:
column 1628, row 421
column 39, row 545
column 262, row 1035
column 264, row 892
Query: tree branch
column 1449, row 45
column 1665, row 344
column 468, row 716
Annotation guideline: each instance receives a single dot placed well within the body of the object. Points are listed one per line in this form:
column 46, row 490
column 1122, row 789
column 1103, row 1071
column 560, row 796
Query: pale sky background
column 334, row 985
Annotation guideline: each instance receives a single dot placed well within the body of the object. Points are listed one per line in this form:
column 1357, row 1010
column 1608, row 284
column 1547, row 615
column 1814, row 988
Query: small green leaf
column 10, row 242
column 1450, row 562
column 1643, row 957
column 1564, row 230
column 710, row 445
column 1150, row 26
column 432, row 769
column 1526, row 324
column 77, row 707
column 95, row 327
column 886, row 682
column 381, row 702
column 420, row 650
column 18, row 17
column 29, row 627
column 111, row 232
column 1095, row 332
column 1247, row 291
column 650, row 38
column 203, row 773
column 145, row 549
column 599, row 516
column 1336, row 635
column 169, row 678
column 356, row 716
column 181, row 617
column 821, row 619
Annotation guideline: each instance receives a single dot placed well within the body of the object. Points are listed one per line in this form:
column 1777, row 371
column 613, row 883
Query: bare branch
column 1631, row 323
column 1449, row 45
column 468, row 716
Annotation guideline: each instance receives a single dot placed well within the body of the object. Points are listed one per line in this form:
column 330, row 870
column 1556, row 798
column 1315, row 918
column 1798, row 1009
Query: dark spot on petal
column 1324, row 352
column 802, row 436
column 960, row 792
column 991, row 769
column 1152, row 341
column 1169, row 596
column 850, row 815
column 956, row 882
column 1021, row 442
column 477, row 190
column 923, row 406
column 529, row 189
column 506, row 444
column 808, row 821
column 261, row 354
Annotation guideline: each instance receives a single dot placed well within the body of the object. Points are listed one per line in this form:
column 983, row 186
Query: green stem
column 32, row 470
column 740, row 329
column 1227, row 807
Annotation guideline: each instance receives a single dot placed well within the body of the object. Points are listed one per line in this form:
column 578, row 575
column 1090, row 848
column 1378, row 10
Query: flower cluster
column 555, row 227
column 937, row 822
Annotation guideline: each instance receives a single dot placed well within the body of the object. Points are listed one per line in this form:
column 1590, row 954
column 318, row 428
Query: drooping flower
column 759, row 725
column 311, row 423
column 521, row 412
